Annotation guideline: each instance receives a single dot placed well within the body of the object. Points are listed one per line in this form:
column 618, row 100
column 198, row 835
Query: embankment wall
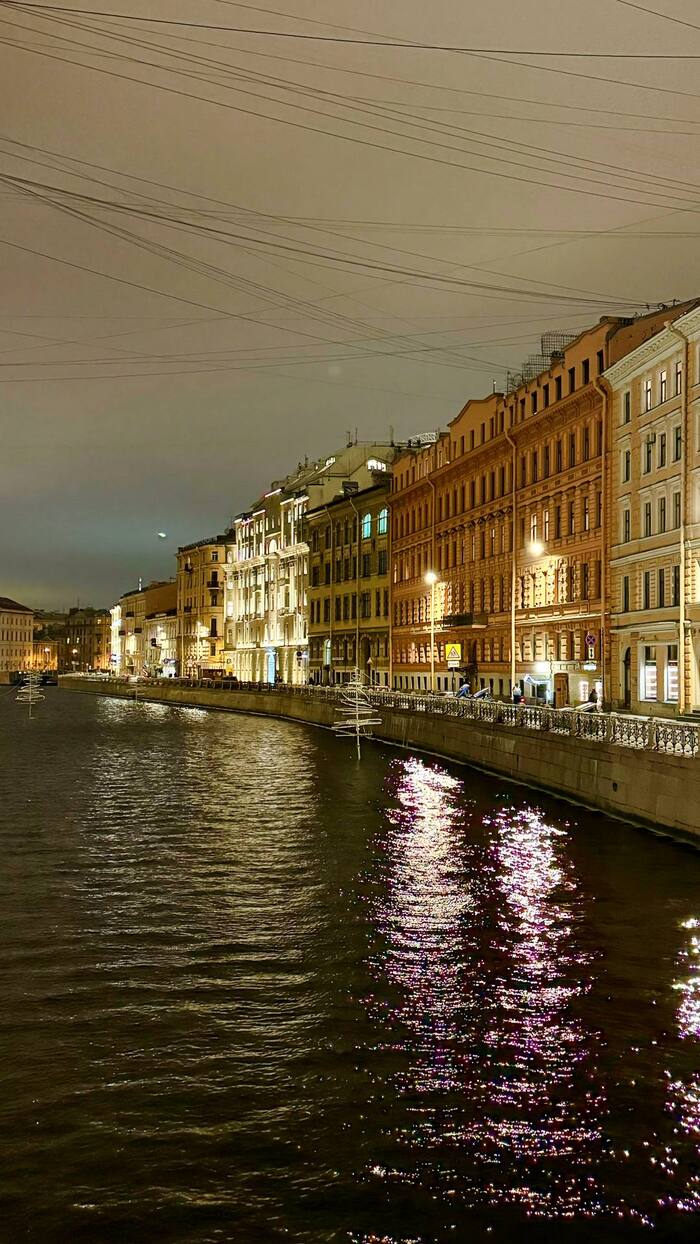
column 656, row 790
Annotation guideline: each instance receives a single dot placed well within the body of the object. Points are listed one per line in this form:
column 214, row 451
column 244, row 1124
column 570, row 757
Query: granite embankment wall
column 654, row 789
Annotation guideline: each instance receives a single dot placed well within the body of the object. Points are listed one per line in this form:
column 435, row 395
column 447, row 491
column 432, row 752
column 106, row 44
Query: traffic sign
column 453, row 654
column 590, row 639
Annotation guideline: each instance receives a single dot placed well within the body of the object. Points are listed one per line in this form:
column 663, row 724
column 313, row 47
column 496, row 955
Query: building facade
column 654, row 525
column 16, row 637
column 200, row 605
column 87, row 640
column 268, row 567
column 348, row 591
column 507, row 510
column 144, row 630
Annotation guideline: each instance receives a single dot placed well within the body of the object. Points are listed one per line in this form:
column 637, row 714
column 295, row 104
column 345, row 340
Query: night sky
column 221, row 250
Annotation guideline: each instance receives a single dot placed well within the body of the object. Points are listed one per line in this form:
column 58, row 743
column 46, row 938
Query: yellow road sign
column 453, row 654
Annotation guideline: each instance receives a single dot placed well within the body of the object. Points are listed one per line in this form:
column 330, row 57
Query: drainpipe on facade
column 604, row 389
column 513, row 567
column 684, row 502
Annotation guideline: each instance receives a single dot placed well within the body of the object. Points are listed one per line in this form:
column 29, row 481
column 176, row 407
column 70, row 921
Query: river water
column 254, row 992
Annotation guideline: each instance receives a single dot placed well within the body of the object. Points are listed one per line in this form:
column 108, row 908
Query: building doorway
column 271, row 666
column 627, row 679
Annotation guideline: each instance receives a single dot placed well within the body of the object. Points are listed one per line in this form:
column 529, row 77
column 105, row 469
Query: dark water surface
column 253, row 992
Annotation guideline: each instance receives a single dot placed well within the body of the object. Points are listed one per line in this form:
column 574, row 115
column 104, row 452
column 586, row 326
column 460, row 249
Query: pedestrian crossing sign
column 453, row 655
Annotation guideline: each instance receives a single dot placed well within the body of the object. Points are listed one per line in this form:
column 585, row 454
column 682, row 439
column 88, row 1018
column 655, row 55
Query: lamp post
column 431, row 579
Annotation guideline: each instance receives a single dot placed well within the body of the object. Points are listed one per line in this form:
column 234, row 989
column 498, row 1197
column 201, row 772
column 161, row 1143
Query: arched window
column 366, row 526
column 383, row 522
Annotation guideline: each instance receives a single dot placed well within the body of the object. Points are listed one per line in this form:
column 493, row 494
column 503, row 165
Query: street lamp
column 431, row 579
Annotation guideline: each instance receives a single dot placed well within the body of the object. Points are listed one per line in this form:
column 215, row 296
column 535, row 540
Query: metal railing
column 657, row 734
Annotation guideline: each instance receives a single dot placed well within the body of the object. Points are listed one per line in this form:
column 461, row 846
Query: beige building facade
column 200, row 605
column 16, row 637
column 144, row 630
column 348, row 592
column 654, row 528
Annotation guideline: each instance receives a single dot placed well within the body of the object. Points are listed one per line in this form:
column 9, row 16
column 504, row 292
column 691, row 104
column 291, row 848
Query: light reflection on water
column 254, row 992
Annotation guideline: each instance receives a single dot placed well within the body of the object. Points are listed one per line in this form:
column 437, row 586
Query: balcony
column 214, row 583
column 186, row 608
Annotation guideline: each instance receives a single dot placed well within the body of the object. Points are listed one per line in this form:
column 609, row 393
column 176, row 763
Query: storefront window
column 672, row 673
column 649, row 674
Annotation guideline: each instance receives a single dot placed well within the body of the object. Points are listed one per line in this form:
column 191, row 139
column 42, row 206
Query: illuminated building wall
column 349, row 587
column 200, row 605
column 654, row 527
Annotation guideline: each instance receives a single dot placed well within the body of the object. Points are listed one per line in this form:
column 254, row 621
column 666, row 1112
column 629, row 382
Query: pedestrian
column 517, row 694
column 464, row 691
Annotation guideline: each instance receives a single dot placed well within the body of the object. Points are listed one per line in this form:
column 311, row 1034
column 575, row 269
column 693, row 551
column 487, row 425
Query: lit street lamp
column 431, row 579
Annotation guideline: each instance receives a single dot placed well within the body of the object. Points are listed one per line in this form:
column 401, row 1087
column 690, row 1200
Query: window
column 586, row 369
column 662, row 514
column 545, row 395
column 660, row 589
column 649, row 674
column 523, row 472
column 662, row 450
column 366, row 605
column 646, row 589
column 572, row 518
column 545, row 462
column 663, row 386
column 557, row 522
column 626, row 526
column 572, row 449
column 534, row 466
column 676, row 585
column 676, row 509
column 647, row 518
column 557, row 388
column 545, row 527
column 678, row 377
column 366, row 526
column 648, row 452
column 382, row 562
column 533, row 402
column 533, row 528
column 558, row 456
column 600, row 361
column 383, row 522
column 647, row 399
column 585, row 581
column 572, row 379
column 671, row 688
column 625, row 594
column 626, row 465
column 586, row 514
column 626, row 407
column 586, row 443
column 677, row 443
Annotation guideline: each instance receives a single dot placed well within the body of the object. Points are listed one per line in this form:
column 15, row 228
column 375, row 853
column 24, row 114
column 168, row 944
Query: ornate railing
column 658, row 734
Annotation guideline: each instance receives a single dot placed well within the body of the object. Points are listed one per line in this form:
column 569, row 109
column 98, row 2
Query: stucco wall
column 654, row 789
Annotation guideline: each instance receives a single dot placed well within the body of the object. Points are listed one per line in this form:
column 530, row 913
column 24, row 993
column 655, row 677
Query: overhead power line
column 344, row 39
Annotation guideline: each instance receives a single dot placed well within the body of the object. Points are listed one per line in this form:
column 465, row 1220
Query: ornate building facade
column 268, row 564
column 507, row 510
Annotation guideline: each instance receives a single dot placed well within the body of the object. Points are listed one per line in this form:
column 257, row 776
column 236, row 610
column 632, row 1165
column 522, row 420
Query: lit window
column 671, row 689
column 383, row 522
column 366, row 526
column 663, row 387
column 647, row 395
column 649, row 674
column 375, row 464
